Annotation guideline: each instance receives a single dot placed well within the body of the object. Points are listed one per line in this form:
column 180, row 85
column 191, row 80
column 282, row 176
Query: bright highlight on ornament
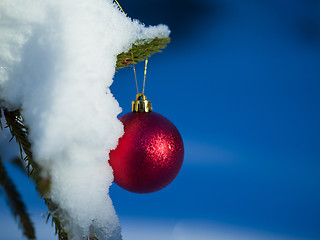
column 150, row 153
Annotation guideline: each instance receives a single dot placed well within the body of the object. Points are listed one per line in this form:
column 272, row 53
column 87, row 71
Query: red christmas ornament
column 150, row 153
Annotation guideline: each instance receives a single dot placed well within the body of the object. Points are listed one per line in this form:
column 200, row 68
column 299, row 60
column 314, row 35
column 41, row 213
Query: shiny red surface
column 149, row 154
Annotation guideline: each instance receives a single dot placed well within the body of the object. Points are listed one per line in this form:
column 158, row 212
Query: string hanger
column 144, row 75
column 120, row 7
column 133, row 64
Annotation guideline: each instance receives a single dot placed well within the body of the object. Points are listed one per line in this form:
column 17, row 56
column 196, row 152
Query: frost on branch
column 57, row 62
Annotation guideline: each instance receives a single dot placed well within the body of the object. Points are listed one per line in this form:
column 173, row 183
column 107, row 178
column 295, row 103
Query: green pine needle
column 141, row 50
column 20, row 133
column 16, row 204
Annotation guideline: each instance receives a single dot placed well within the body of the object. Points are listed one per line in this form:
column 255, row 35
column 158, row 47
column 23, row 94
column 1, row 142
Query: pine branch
column 20, row 133
column 141, row 50
column 16, row 204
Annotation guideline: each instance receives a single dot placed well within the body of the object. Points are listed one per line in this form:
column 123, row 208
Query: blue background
column 241, row 82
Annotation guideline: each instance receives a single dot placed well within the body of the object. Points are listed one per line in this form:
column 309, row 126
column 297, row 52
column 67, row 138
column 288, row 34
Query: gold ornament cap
column 141, row 104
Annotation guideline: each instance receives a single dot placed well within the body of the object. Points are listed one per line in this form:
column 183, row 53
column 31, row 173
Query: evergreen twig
column 20, row 133
column 141, row 50
column 16, row 204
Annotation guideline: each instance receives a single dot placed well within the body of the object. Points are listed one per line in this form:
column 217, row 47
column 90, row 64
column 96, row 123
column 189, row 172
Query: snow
column 57, row 62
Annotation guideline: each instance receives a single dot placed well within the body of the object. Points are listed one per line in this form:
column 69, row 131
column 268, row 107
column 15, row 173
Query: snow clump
column 57, row 62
